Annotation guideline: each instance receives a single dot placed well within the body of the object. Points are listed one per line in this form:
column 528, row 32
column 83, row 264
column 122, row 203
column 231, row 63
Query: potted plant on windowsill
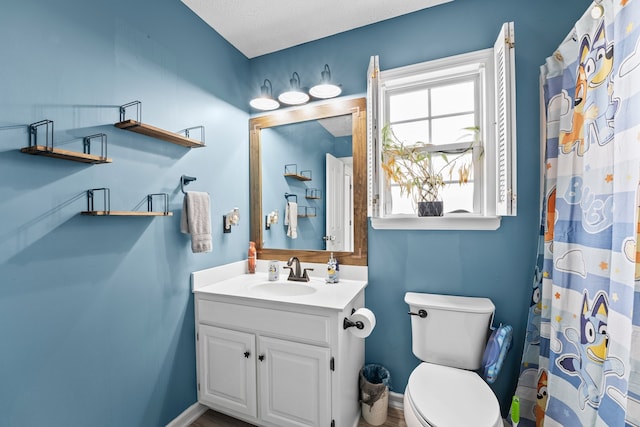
column 413, row 168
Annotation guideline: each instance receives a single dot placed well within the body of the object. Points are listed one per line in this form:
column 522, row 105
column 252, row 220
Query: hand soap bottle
column 332, row 270
column 251, row 258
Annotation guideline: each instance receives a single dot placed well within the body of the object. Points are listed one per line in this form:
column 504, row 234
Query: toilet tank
column 455, row 331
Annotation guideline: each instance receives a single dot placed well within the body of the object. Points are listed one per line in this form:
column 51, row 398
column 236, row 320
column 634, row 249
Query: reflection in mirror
column 324, row 199
column 316, row 156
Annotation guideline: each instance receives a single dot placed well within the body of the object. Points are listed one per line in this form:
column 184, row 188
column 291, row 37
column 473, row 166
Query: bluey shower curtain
column 581, row 361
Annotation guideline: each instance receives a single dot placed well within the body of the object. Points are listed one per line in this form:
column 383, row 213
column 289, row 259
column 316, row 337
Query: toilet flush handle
column 421, row 313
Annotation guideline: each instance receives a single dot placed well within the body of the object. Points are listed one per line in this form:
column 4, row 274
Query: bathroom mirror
column 318, row 170
column 292, row 152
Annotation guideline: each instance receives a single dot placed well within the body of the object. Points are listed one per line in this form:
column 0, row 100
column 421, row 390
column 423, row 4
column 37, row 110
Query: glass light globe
column 264, row 103
column 293, row 97
column 325, row 90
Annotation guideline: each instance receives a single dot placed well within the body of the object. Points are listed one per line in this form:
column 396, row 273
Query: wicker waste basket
column 375, row 382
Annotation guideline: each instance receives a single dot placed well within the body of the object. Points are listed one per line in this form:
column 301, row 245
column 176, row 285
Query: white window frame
column 496, row 71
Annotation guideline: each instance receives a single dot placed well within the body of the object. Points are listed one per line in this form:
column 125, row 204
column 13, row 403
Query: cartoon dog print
column 592, row 363
column 594, row 70
column 551, row 216
column 541, row 398
column 574, row 139
column 598, row 67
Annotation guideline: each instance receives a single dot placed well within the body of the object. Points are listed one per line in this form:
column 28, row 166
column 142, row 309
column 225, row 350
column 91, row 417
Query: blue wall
column 96, row 314
column 303, row 145
column 496, row 264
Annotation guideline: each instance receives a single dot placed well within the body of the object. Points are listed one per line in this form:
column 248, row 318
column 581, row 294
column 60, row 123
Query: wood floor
column 216, row 419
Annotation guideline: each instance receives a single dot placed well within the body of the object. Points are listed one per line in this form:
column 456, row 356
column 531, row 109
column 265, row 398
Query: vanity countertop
column 315, row 293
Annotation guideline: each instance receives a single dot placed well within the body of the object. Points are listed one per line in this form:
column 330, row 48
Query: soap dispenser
column 251, row 258
column 332, row 270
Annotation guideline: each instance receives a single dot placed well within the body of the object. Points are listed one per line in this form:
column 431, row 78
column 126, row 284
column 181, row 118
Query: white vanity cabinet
column 277, row 363
column 227, row 374
column 295, row 382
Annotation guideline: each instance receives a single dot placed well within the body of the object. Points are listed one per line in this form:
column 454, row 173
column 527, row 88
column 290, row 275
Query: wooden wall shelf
column 306, row 212
column 106, row 201
column 58, row 153
column 291, row 171
column 154, row 132
column 125, row 213
column 313, row 194
column 297, row 176
column 48, row 150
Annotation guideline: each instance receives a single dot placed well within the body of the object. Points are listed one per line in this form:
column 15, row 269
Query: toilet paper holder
column 348, row 323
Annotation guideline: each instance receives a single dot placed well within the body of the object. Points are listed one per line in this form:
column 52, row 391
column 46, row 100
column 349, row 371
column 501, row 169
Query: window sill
column 447, row 222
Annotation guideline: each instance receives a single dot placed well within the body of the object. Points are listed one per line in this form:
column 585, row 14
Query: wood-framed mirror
column 317, row 250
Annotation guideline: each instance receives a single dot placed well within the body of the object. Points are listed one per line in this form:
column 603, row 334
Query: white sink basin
column 283, row 289
column 315, row 293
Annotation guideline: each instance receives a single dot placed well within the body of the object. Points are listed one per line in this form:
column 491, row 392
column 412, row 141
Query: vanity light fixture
column 295, row 95
column 231, row 218
column 325, row 89
column 265, row 101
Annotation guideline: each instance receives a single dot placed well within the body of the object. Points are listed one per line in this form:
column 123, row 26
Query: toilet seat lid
column 445, row 396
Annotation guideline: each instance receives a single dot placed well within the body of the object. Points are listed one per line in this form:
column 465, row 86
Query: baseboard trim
column 188, row 416
column 396, row 400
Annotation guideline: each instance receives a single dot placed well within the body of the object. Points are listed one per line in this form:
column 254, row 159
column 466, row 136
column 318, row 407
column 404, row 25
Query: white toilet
column 449, row 335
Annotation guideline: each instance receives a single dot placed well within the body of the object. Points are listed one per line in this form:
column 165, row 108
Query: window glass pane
column 409, row 105
column 401, row 204
column 417, row 116
column 448, row 130
column 458, row 197
column 451, row 99
column 455, row 195
column 460, row 165
column 412, row 132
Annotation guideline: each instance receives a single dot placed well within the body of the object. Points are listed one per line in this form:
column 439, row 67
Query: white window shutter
column 373, row 139
column 505, row 132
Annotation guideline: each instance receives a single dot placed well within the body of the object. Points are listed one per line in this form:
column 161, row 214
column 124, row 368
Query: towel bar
column 185, row 180
column 287, row 195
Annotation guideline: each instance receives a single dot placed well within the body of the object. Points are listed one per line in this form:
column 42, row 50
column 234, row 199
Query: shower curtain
column 581, row 359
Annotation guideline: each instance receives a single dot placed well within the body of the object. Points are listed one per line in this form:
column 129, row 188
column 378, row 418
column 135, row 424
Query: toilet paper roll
column 367, row 318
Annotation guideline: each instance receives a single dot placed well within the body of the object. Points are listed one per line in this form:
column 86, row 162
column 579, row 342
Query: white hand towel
column 196, row 220
column 291, row 219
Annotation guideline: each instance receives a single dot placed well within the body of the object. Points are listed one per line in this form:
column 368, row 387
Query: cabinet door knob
column 261, row 357
column 247, row 354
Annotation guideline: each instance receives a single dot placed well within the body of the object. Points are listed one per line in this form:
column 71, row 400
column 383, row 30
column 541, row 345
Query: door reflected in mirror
column 313, row 156
column 310, row 164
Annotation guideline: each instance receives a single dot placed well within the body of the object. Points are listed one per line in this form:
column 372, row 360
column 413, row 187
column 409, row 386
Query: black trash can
column 375, row 383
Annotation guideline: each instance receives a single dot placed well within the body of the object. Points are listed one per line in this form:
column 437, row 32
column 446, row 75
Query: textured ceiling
column 258, row 27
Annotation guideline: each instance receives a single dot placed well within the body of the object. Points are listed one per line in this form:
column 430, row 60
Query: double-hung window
column 459, row 113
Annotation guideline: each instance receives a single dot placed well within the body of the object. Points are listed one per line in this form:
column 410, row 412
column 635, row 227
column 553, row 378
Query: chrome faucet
column 294, row 270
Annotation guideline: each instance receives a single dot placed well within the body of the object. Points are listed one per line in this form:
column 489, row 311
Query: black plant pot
column 430, row 208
